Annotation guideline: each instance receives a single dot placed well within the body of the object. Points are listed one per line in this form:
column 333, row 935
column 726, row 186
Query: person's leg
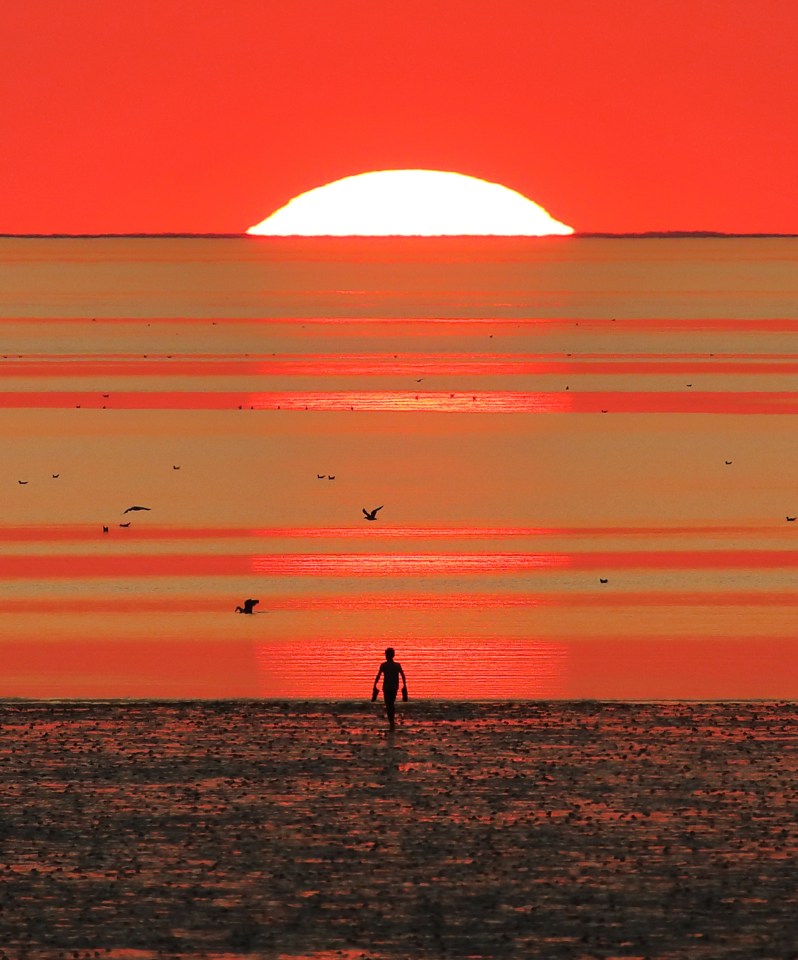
column 390, row 701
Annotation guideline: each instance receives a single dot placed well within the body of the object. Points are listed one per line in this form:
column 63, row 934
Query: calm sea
column 584, row 451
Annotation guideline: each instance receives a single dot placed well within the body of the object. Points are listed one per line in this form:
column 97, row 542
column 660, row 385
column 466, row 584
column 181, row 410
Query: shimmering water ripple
column 585, row 455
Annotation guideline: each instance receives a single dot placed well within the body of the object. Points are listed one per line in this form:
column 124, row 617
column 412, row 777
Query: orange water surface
column 584, row 453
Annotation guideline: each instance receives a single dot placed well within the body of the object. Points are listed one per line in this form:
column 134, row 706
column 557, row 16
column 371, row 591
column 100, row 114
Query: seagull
column 136, row 508
column 248, row 605
column 22, row 482
column 602, row 580
column 791, row 519
column 125, row 524
column 727, row 462
column 372, row 515
column 320, row 476
column 105, row 529
column 331, row 476
column 174, row 467
column 56, row 476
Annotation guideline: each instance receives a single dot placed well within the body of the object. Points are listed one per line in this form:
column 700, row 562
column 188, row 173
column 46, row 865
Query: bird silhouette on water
column 371, row 515
column 248, row 606
column 791, row 519
column 136, row 508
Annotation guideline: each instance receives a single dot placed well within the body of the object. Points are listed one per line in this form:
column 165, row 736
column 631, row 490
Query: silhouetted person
column 390, row 671
column 248, row 606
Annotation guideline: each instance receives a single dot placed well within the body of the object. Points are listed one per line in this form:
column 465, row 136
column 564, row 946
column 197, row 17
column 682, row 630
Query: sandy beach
column 246, row 829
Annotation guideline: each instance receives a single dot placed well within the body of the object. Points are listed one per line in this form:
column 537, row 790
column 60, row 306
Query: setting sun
column 410, row 203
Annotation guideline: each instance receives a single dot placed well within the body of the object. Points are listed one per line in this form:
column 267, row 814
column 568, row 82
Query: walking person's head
column 390, row 653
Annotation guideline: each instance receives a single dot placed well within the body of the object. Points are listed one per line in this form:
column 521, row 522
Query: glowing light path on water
column 715, row 402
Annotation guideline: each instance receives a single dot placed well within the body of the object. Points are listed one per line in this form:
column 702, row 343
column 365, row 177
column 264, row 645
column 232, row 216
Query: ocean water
column 584, row 451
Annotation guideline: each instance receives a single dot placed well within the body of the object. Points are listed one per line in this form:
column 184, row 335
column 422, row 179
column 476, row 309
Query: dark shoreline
column 365, row 704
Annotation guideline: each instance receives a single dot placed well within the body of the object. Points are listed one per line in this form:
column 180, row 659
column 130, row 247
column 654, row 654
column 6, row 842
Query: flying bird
column 248, row 605
column 371, row 515
column 136, row 508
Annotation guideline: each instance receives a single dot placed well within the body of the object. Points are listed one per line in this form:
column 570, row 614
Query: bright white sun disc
column 420, row 203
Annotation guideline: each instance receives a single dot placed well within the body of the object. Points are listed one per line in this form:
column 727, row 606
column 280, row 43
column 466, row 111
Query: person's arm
column 379, row 674
column 404, row 680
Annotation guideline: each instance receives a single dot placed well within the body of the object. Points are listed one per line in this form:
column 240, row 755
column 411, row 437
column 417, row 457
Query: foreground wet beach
column 248, row 829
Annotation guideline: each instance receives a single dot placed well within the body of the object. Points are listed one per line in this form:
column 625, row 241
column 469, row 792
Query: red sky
column 179, row 115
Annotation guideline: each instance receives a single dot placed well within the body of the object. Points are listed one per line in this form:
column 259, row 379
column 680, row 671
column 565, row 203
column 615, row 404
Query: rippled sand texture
column 286, row 829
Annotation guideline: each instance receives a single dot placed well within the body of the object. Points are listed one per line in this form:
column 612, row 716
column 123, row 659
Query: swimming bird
column 22, row 482
column 174, row 467
column 125, row 524
column 248, row 605
column 331, row 476
column 136, row 508
column 105, row 529
column 791, row 519
column 371, row 515
column 56, row 476
column 320, row 476
column 727, row 462
column 602, row 580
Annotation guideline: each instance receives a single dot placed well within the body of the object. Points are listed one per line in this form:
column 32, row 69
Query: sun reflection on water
column 444, row 667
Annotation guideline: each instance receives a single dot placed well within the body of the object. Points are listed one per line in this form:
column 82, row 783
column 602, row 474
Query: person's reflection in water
column 390, row 671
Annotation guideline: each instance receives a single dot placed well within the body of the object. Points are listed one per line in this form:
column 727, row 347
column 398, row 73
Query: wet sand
column 249, row 829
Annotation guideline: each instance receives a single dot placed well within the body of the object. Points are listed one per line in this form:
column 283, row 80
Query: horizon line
column 579, row 235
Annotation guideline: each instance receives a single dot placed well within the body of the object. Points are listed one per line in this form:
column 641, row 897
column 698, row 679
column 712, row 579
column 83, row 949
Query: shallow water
column 253, row 829
column 535, row 416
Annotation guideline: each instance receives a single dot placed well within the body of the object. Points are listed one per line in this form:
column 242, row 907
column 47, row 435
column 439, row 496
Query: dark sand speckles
column 264, row 829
